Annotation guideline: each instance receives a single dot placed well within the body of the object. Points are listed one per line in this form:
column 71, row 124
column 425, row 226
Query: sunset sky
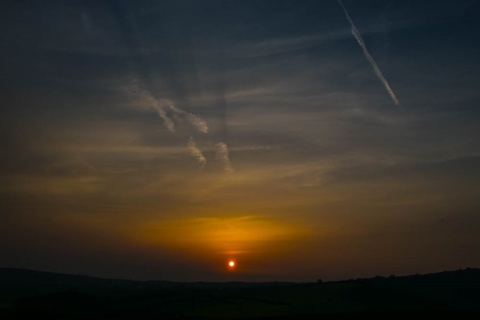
column 161, row 139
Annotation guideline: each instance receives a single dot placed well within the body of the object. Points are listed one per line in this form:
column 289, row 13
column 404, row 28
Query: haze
column 160, row 139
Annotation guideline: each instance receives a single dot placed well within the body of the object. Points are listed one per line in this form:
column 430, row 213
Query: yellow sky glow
column 229, row 236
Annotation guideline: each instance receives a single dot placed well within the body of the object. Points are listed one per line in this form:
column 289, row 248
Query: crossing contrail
column 369, row 58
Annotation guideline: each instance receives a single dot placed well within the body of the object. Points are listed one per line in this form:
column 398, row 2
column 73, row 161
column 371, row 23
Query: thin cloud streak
column 194, row 120
column 167, row 110
column 166, row 120
column 369, row 58
column 163, row 108
column 147, row 99
column 222, row 154
column 195, row 152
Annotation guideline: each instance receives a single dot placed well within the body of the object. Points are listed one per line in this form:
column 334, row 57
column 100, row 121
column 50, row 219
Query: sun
column 231, row 264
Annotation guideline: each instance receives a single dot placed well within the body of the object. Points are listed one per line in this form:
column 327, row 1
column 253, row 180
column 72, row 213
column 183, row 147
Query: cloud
column 166, row 120
column 194, row 151
column 369, row 58
column 194, row 120
column 166, row 109
column 222, row 154
column 147, row 99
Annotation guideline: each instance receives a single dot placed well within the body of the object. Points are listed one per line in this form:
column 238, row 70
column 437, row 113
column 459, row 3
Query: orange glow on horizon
column 208, row 238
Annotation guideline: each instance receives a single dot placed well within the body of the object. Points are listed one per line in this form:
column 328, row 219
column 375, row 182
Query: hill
column 35, row 294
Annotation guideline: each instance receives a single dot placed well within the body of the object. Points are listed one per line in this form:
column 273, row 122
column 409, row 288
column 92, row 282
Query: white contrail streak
column 161, row 112
column 167, row 110
column 222, row 154
column 147, row 99
column 194, row 120
column 372, row 62
column 194, row 151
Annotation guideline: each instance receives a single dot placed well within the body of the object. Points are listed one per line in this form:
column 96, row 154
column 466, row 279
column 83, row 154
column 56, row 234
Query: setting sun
column 231, row 264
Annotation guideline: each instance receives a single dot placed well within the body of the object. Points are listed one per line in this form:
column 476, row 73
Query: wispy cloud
column 169, row 112
column 195, row 151
column 166, row 109
column 166, row 119
column 369, row 58
column 148, row 100
column 222, row 154
column 194, row 120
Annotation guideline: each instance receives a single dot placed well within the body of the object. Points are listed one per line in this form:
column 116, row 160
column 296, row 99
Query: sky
column 302, row 139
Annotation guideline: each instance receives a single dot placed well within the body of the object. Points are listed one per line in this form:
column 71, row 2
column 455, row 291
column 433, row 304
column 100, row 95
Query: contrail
column 167, row 111
column 161, row 106
column 194, row 151
column 372, row 62
column 160, row 110
column 149, row 100
column 222, row 154
column 166, row 120
column 194, row 120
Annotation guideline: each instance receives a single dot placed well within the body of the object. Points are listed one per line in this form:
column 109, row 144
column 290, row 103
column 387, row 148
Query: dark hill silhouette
column 12, row 276
column 36, row 294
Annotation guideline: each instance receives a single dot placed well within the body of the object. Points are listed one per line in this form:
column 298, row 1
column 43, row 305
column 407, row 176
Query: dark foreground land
column 42, row 295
